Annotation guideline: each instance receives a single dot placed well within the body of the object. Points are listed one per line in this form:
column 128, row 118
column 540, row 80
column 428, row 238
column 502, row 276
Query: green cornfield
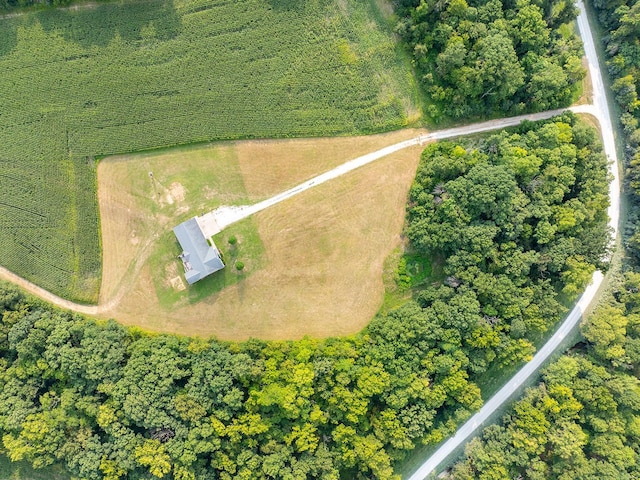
column 98, row 79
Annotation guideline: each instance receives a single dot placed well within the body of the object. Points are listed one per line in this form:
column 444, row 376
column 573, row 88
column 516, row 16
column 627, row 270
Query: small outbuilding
column 199, row 256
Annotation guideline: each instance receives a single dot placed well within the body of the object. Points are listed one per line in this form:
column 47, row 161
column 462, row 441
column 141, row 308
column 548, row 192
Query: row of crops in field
column 115, row 78
column 48, row 212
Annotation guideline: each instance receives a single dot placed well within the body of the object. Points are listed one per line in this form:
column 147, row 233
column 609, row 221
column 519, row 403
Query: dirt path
column 217, row 220
column 222, row 217
column 46, row 295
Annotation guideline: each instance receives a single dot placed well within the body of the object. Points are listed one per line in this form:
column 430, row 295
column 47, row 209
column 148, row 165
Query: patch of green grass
column 209, row 175
column 416, row 269
column 129, row 76
column 404, row 274
column 23, row 471
column 248, row 250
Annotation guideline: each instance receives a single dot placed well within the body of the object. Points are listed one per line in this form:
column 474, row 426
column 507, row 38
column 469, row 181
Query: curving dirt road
column 224, row 216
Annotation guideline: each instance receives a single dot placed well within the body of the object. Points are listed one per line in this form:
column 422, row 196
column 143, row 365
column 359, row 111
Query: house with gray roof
column 199, row 256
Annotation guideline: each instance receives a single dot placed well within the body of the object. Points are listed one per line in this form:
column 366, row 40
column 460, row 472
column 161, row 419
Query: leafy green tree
column 483, row 57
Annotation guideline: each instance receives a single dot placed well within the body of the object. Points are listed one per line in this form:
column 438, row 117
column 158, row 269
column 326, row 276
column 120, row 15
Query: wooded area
column 583, row 419
column 110, row 402
column 480, row 58
column 514, row 224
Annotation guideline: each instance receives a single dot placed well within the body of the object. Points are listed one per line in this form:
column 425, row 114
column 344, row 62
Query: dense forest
column 484, row 57
column 621, row 19
column 583, row 419
column 110, row 402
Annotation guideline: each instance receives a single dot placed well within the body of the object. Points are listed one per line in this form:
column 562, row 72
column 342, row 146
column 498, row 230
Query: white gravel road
column 600, row 109
column 217, row 220
column 224, row 216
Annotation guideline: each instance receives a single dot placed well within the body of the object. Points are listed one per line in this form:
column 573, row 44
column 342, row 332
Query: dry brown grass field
column 320, row 270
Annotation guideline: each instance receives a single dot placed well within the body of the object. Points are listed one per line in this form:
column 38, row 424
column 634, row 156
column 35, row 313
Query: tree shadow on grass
column 96, row 25
column 8, row 36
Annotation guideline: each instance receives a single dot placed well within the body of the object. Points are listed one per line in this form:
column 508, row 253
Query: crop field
column 313, row 264
column 111, row 78
column 48, row 213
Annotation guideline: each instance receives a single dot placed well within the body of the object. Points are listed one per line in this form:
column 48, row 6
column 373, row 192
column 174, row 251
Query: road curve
column 477, row 421
column 218, row 219
column 224, row 216
column 599, row 109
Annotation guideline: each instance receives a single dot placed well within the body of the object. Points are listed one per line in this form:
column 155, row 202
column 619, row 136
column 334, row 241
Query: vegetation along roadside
column 110, row 402
column 581, row 421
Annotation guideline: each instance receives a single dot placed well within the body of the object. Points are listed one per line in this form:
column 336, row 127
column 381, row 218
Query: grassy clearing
column 167, row 271
column 23, row 471
column 403, row 275
column 143, row 197
column 129, row 76
column 313, row 264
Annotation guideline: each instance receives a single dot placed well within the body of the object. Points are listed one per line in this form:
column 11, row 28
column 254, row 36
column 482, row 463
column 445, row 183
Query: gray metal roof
column 198, row 257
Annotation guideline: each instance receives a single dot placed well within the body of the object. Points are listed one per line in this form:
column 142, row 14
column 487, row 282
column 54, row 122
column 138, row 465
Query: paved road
column 600, row 109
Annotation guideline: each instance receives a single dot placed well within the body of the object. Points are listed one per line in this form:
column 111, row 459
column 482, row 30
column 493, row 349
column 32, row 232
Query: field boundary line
column 220, row 218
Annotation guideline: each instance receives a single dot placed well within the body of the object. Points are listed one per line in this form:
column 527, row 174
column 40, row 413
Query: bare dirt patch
column 177, row 191
column 322, row 269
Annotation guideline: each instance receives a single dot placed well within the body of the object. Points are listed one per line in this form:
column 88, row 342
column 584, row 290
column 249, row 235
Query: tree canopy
column 482, row 57
column 112, row 402
column 583, row 419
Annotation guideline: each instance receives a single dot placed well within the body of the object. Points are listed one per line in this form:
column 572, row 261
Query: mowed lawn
column 313, row 264
column 85, row 82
